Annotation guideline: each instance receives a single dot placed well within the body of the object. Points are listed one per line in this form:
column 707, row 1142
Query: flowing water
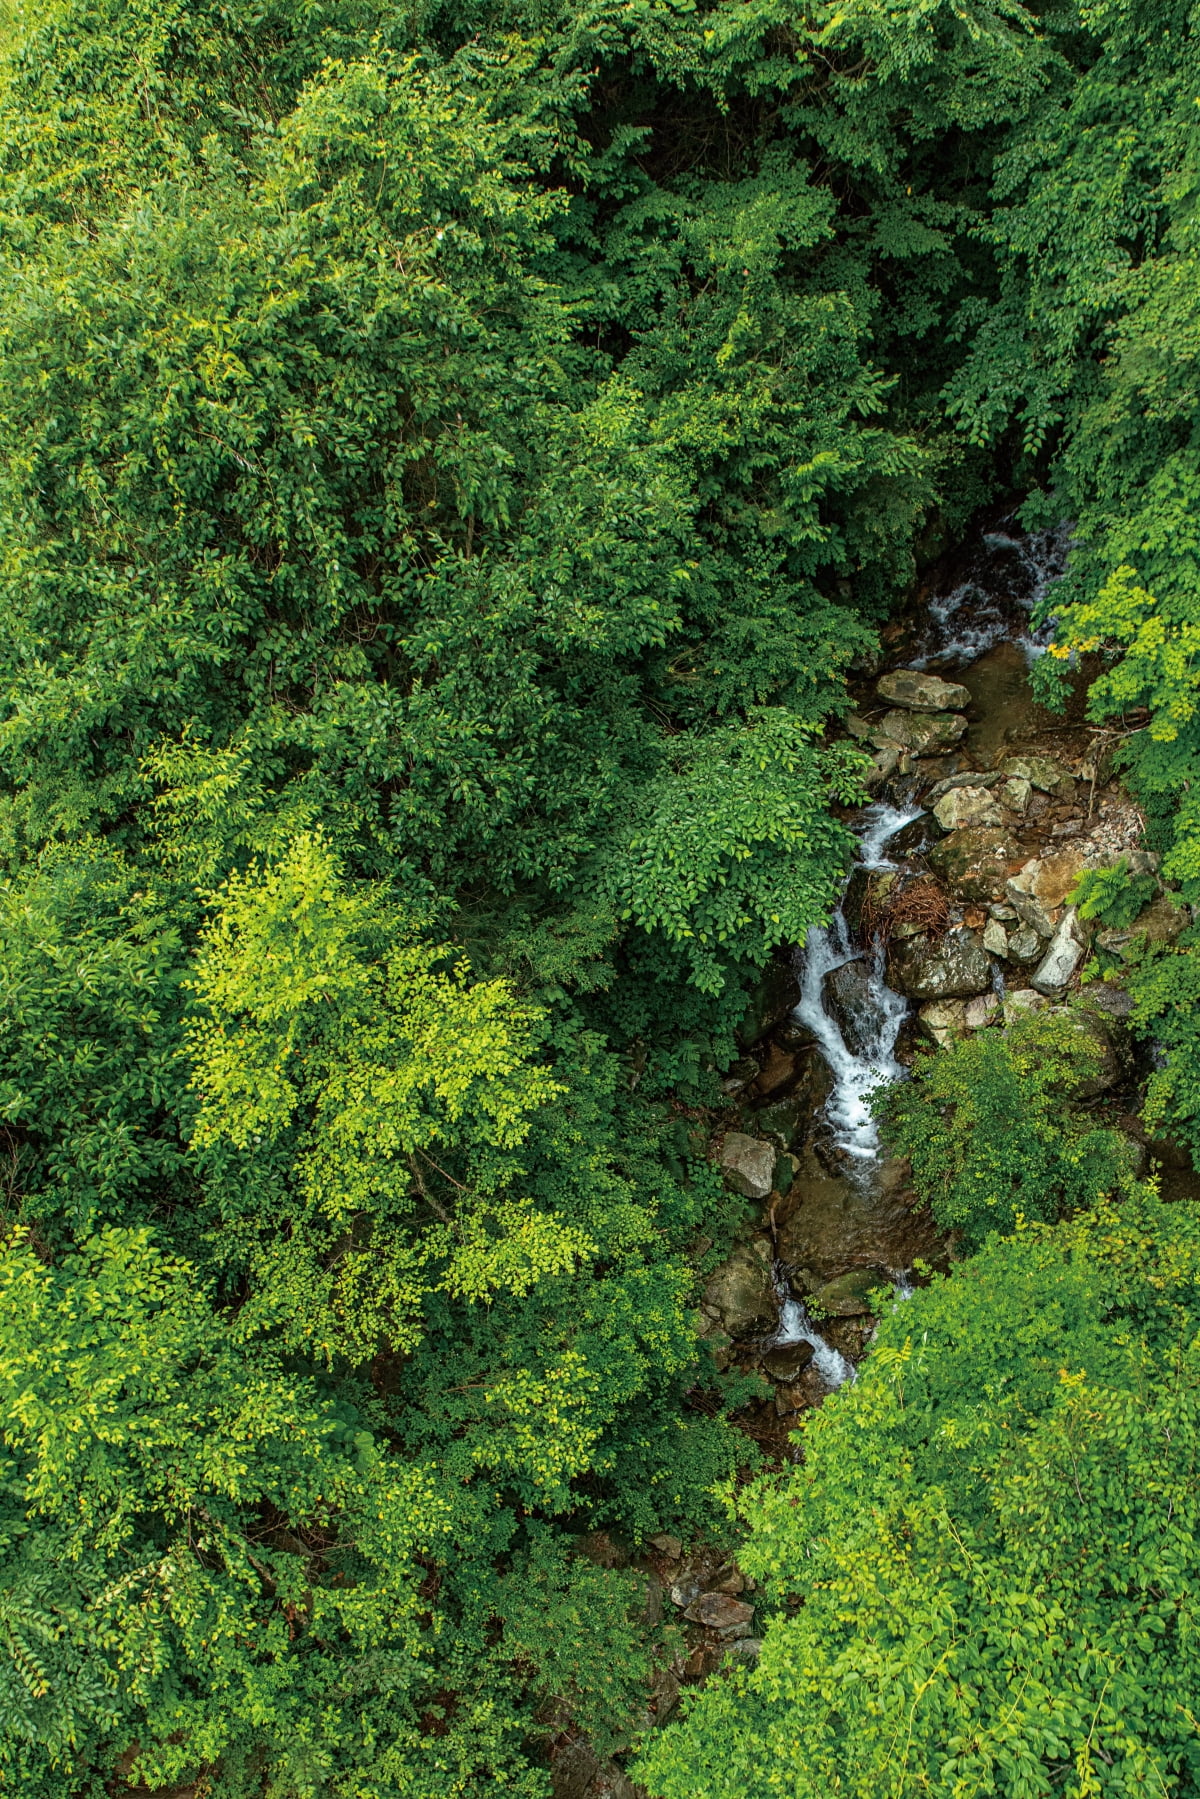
column 978, row 620
column 856, row 1074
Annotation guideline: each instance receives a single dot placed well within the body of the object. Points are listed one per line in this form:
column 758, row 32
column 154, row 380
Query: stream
column 856, row 1076
column 976, row 618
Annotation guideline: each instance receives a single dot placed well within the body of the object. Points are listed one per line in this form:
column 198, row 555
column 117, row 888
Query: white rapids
column 855, row 1077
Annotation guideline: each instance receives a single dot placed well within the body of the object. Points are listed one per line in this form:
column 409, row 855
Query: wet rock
column 995, row 938
column 1021, row 1000
column 974, row 862
column 972, row 778
column 884, row 764
column 830, row 1223
column 1030, row 911
column 797, row 1395
column 943, row 1019
column 1016, row 794
column 740, row 1293
column 787, row 1167
column 1042, row 772
column 739, row 1074
column 981, row 1011
column 777, row 1071
column 775, row 995
column 919, row 733
column 723, row 1613
column 748, row 1164
column 1057, row 968
column 962, row 807
column 787, row 1361
column 846, row 1297
column 953, row 968
column 921, row 693
column 784, row 1121
column 847, row 998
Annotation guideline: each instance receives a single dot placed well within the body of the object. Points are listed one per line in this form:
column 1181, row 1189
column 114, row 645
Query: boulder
column 995, row 938
column 973, row 778
column 921, row 693
column 955, row 967
column 787, row 1361
column 1162, row 921
column 981, row 1011
column 748, row 1164
column 1025, row 945
column 961, row 807
column 883, row 764
column 777, row 1071
column 944, row 1019
column 723, row 1613
column 1016, row 794
column 741, row 1293
column 775, row 994
column 1042, row 772
column 974, row 862
column 1050, row 878
column 1030, row 911
column 1057, row 967
column 846, row 1297
column 918, row 732
column 1109, row 1038
column 847, row 999
column 784, row 1121
column 1020, row 1000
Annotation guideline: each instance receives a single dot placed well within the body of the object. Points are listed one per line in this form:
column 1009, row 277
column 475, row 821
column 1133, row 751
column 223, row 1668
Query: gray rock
column 919, row 733
column 973, row 778
column 1029, row 910
column 1020, row 1000
column 921, row 693
column 1056, row 969
column 745, row 1649
column 995, row 938
column 1016, row 794
column 748, row 1164
column 741, row 1294
column 954, row 968
column 1025, row 945
column 667, row 1545
column 1042, row 772
column 883, row 764
column 962, row 807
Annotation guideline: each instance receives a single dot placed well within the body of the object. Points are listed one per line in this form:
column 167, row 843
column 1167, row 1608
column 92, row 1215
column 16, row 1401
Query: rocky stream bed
column 954, row 919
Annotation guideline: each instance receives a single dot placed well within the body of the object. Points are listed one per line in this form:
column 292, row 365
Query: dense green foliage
column 450, row 458
column 988, row 1125
column 984, row 1578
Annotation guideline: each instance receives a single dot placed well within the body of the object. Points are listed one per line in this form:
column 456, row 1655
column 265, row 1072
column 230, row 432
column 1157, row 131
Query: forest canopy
column 452, row 459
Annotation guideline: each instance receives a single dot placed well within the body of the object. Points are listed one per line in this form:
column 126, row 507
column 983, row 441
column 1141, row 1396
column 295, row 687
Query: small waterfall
column 855, row 1076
